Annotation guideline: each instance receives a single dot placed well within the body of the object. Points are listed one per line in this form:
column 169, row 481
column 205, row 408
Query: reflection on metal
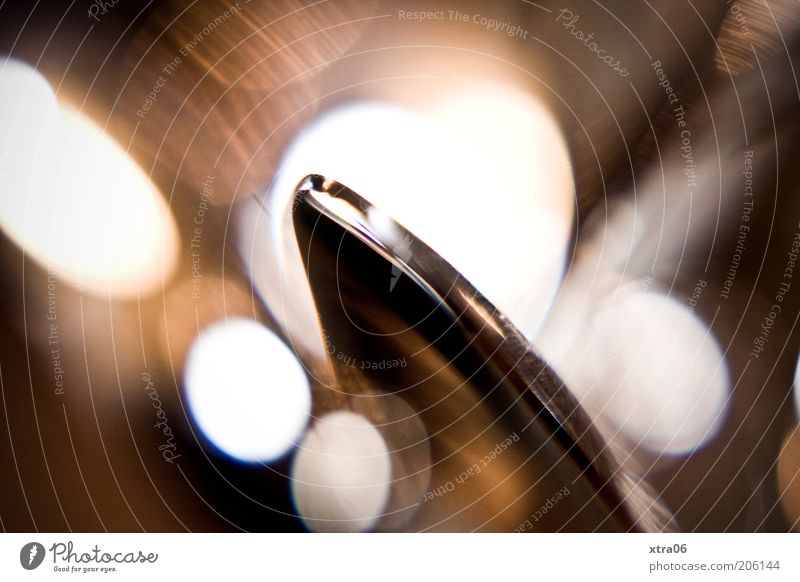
column 472, row 378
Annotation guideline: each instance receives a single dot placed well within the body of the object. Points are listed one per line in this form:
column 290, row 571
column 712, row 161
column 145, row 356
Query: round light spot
column 408, row 442
column 246, row 390
column 483, row 177
column 341, row 475
column 796, row 388
column 73, row 199
column 655, row 372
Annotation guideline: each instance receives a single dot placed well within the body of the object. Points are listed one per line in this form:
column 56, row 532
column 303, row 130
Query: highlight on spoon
column 493, row 162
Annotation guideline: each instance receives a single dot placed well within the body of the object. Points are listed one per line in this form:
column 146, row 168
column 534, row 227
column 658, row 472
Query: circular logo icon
column 31, row 555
